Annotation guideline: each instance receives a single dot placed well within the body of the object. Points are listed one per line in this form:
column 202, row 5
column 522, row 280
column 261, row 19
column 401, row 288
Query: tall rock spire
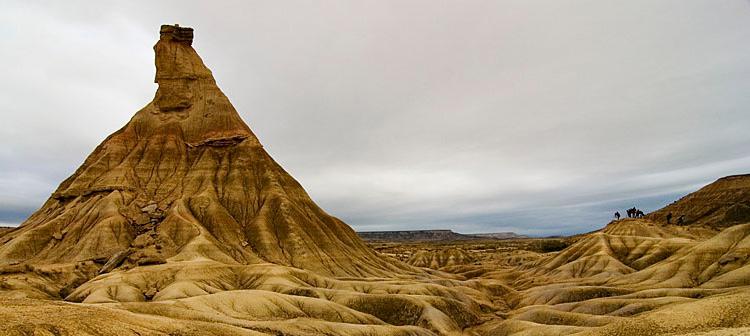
column 187, row 179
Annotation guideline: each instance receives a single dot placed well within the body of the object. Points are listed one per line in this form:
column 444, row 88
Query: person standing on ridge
column 617, row 215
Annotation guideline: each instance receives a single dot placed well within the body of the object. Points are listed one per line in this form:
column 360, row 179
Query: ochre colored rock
column 188, row 172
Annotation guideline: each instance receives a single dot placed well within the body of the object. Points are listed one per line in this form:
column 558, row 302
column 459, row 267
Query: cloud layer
column 539, row 117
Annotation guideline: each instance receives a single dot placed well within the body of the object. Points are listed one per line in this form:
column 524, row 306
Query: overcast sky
column 539, row 117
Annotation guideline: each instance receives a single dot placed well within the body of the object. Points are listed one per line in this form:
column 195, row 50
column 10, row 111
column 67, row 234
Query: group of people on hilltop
column 637, row 213
column 632, row 213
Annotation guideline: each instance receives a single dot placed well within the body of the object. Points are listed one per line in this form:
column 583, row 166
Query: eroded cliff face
column 187, row 179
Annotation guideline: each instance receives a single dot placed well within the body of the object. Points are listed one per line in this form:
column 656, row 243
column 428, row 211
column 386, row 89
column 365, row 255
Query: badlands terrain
column 180, row 223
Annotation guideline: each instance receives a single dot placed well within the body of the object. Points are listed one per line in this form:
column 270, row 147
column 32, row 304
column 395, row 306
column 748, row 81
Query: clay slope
column 265, row 298
column 634, row 277
column 622, row 247
column 439, row 258
column 186, row 179
column 724, row 203
column 719, row 262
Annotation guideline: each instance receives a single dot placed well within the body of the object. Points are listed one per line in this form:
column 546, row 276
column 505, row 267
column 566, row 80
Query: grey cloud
column 533, row 115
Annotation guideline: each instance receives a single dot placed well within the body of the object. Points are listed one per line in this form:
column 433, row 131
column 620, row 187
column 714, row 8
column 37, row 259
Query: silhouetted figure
column 669, row 218
column 633, row 212
column 639, row 214
column 681, row 220
column 617, row 215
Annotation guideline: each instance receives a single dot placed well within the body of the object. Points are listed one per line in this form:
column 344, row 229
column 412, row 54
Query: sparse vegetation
column 550, row 245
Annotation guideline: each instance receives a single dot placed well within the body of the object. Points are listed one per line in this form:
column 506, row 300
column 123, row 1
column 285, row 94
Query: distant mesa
column 432, row 235
column 500, row 235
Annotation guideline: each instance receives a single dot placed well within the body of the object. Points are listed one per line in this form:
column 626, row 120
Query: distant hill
column 500, row 235
column 414, row 235
column 723, row 203
column 432, row 235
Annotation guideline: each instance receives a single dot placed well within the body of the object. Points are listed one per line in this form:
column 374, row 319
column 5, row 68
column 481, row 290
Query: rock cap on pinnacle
column 176, row 33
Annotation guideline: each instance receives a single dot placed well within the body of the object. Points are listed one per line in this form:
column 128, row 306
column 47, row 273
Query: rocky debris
column 150, row 208
column 71, row 286
column 73, row 193
column 115, row 261
column 152, row 212
column 728, row 259
column 220, row 142
column 147, row 218
column 142, row 219
column 150, row 293
column 149, row 260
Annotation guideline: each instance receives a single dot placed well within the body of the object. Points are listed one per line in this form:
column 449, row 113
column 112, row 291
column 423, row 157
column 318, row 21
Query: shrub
column 552, row 245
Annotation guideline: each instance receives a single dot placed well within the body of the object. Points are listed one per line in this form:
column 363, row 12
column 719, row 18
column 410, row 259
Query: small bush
column 552, row 245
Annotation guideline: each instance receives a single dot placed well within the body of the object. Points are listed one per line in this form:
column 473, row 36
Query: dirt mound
column 269, row 298
column 719, row 262
column 647, row 228
column 621, row 248
column 439, row 258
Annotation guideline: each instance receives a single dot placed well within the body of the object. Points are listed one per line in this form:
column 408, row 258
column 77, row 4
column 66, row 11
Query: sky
column 537, row 117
